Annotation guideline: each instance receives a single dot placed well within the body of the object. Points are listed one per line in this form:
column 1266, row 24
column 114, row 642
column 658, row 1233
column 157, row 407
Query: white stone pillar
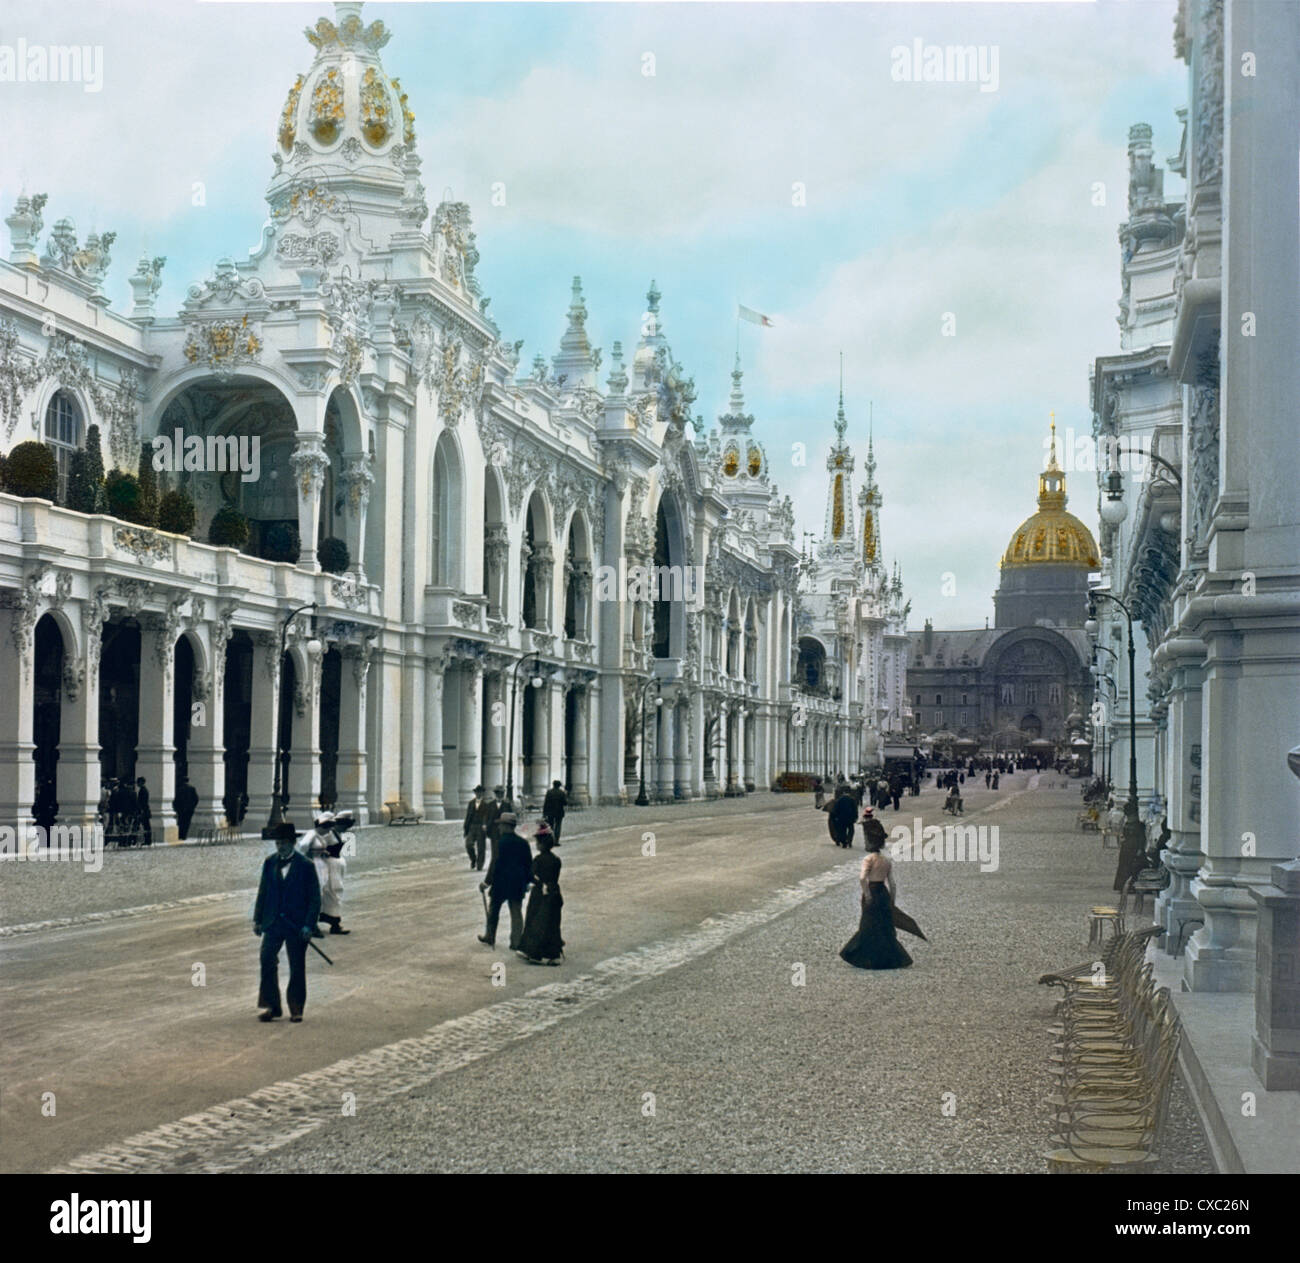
column 471, row 727
column 155, row 744
column 352, row 774
column 358, row 478
column 434, row 783
column 580, row 791
column 205, row 754
column 682, row 778
column 496, row 700
column 263, row 728
column 665, row 750
column 304, row 749
column 309, row 464
column 17, row 712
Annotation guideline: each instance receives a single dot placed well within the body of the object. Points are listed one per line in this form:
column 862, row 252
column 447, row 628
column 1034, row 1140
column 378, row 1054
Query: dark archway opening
column 182, row 711
column 330, row 692
column 119, row 700
column 284, row 728
column 47, row 707
column 237, row 720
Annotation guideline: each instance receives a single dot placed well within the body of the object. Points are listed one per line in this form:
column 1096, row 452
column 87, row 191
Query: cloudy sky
column 919, row 199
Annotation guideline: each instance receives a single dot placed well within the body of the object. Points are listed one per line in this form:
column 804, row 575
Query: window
column 965, row 699
column 1031, row 694
column 63, row 434
column 961, row 720
column 938, row 719
column 1054, row 694
column 938, row 699
column 918, row 699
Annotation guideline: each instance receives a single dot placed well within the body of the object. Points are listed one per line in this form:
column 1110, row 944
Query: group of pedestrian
column 124, row 809
column 301, row 886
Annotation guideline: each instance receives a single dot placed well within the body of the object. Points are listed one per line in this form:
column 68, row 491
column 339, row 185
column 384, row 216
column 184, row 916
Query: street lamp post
column 1107, row 747
column 642, row 799
column 1133, row 838
column 276, row 818
column 535, row 682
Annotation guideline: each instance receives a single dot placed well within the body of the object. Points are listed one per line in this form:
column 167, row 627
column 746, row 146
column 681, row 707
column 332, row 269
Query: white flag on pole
column 754, row 317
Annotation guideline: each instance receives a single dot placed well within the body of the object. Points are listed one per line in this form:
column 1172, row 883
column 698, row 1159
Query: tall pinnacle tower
column 837, row 549
column 870, row 502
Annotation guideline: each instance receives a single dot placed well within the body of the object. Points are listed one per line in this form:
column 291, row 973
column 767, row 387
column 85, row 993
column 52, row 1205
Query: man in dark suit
column 476, row 828
column 553, row 806
column 492, row 809
column 508, row 877
column 287, row 909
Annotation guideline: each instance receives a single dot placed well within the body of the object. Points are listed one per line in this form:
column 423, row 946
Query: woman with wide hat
column 541, row 943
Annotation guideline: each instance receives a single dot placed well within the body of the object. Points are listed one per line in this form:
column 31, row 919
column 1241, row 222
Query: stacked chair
column 1116, row 1044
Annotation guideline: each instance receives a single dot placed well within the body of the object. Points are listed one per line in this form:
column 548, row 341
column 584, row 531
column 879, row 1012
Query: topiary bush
column 176, row 513
column 31, row 470
column 122, row 496
column 229, row 528
column 333, row 555
column 148, row 481
column 280, row 542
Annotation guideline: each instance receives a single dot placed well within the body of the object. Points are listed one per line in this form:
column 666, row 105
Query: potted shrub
column 176, row 513
column 333, row 555
column 229, row 528
column 122, row 496
column 31, row 470
column 148, row 481
column 280, row 542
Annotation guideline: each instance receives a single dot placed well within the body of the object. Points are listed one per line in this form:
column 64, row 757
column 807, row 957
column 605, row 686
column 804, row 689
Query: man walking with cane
column 286, row 912
column 508, row 877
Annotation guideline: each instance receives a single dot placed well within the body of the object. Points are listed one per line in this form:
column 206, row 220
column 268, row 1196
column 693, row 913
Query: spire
column 736, row 419
column 840, row 423
column 1051, row 482
column 576, row 361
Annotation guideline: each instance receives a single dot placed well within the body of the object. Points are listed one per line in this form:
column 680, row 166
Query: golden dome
column 1052, row 537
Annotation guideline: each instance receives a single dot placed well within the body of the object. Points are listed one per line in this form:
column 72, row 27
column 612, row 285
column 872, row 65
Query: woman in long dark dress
column 876, row 945
column 540, row 943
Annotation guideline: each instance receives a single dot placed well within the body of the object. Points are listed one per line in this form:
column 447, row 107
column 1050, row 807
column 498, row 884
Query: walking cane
column 310, row 943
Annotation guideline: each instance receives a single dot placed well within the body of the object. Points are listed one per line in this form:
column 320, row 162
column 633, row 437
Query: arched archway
column 539, row 564
column 810, row 670
column 669, row 586
column 577, row 579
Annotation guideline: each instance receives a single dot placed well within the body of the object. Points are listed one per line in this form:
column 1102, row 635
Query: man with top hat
column 286, row 912
column 508, row 876
column 478, row 815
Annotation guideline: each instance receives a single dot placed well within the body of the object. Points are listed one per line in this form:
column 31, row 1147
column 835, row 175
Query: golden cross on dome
column 1052, row 414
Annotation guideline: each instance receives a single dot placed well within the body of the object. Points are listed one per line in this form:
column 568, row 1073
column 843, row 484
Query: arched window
column 63, row 434
column 445, row 516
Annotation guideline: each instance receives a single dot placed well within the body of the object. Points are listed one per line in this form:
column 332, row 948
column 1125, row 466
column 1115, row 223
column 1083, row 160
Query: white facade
column 1208, row 551
column 499, row 525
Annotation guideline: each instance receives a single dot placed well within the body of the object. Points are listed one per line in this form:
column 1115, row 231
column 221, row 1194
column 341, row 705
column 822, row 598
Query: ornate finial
column 1051, row 464
column 840, row 423
column 652, row 298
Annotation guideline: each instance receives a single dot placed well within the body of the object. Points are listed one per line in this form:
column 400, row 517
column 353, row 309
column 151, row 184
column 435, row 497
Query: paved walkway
column 674, row 1038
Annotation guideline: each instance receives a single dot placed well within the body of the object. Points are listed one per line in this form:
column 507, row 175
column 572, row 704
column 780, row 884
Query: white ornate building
column 1206, row 551
column 475, row 634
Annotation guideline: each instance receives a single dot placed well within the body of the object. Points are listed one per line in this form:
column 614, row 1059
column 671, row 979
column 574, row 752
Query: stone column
column 579, row 794
column 304, row 762
column 538, row 773
column 155, row 745
column 205, row 754
column 497, row 553
column 352, row 773
column 434, row 783
column 497, row 702
column 1175, row 905
column 263, row 728
column 666, row 751
column 682, row 749
column 309, row 464
column 747, row 745
column 79, row 765
column 542, row 562
column 471, row 727
column 695, row 717
column 358, row 478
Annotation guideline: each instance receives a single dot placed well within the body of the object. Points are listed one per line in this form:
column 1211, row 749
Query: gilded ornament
column 288, row 117
column 327, row 107
column 375, row 125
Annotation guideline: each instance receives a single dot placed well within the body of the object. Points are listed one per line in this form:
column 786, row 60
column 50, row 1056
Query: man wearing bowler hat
column 508, row 877
column 286, row 912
